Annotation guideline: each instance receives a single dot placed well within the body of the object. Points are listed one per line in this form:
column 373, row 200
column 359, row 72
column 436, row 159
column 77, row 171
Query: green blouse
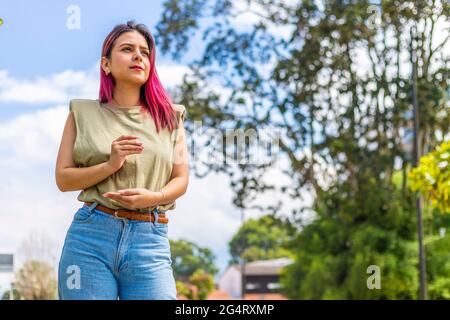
column 98, row 124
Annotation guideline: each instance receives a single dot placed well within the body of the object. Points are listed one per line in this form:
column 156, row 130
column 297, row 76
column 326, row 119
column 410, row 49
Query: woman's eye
column 129, row 49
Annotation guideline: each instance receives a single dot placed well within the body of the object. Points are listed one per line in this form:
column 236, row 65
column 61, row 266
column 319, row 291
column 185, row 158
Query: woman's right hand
column 121, row 147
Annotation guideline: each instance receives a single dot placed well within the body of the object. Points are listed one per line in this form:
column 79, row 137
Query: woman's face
column 130, row 49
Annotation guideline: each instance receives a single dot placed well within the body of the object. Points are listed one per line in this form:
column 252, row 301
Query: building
column 6, row 272
column 261, row 278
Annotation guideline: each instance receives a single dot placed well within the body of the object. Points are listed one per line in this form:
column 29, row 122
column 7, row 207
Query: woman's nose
column 138, row 55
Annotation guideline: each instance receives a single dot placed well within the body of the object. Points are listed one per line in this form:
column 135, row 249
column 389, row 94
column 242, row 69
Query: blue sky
column 39, row 41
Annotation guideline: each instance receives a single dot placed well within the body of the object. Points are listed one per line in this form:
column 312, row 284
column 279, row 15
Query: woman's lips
column 137, row 68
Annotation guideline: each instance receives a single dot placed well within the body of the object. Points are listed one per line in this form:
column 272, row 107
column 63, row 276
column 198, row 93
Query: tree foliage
column 374, row 227
column 336, row 76
column 260, row 239
column 335, row 84
column 187, row 258
column 194, row 269
column 36, row 280
column 432, row 177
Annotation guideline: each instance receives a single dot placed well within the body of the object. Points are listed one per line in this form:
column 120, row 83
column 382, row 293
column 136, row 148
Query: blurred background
column 318, row 134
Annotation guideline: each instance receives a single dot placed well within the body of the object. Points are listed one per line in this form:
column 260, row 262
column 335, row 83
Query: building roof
column 6, row 262
column 264, row 267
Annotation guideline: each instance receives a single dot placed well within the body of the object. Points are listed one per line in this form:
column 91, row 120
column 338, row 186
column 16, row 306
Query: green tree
column 437, row 242
column 187, row 258
column 335, row 80
column 351, row 232
column 432, row 177
column 335, row 250
column 184, row 290
column 193, row 268
column 198, row 287
column 260, row 239
column 335, row 112
column 204, row 282
column 16, row 294
column 36, row 280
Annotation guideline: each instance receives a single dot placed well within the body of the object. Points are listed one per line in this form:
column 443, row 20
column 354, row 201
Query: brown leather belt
column 132, row 215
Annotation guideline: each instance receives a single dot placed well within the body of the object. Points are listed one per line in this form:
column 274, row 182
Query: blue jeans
column 105, row 257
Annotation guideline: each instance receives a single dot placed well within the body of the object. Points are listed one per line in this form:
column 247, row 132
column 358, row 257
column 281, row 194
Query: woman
column 126, row 151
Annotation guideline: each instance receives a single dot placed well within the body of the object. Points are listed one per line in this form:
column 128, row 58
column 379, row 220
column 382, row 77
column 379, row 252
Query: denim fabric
column 105, row 257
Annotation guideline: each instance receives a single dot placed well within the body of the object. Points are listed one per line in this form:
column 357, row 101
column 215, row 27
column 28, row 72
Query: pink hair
column 153, row 96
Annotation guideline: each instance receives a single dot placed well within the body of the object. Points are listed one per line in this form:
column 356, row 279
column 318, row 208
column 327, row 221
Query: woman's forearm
column 73, row 179
column 174, row 189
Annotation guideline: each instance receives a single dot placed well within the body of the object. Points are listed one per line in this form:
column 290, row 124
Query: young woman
column 127, row 152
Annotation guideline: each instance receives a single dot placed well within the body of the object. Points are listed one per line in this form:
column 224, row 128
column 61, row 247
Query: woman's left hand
column 135, row 198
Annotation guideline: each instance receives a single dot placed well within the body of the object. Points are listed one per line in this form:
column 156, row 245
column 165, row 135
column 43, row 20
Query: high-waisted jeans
column 105, row 257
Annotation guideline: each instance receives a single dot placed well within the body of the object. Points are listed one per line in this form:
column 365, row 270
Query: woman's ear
column 105, row 65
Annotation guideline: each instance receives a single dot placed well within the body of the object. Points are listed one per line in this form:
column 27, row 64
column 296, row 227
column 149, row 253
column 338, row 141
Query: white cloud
column 171, row 74
column 56, row 88
column 61, row 87
column 32, row 138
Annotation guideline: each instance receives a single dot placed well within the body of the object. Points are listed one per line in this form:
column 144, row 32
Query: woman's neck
column 126, row 96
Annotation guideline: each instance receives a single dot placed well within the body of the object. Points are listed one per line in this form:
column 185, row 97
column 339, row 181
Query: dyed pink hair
column 153, row 96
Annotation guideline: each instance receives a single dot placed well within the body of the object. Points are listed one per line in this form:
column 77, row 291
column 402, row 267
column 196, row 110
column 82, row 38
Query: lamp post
column 416, row 155
column 243, row 244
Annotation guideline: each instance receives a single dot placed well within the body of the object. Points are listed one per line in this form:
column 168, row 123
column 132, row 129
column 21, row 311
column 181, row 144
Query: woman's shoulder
column 180, row 110
column 179, row 107
column 76, row 104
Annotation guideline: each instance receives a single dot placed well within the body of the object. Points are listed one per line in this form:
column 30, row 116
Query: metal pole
column 416, row 155
column 242, row 257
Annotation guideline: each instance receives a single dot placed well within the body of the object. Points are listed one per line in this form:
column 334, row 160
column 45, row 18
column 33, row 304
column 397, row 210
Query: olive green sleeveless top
column 98, row 124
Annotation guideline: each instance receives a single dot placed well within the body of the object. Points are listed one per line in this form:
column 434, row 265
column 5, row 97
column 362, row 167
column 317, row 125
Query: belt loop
column 155, row 213
column 92, row 206
column 115, row 214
